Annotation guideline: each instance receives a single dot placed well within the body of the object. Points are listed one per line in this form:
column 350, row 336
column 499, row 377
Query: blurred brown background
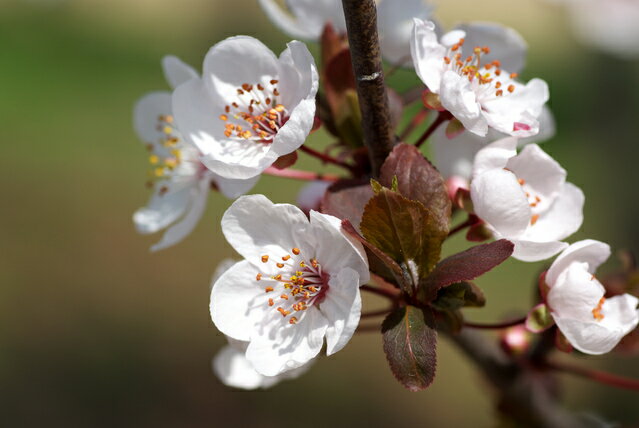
column 96, row 331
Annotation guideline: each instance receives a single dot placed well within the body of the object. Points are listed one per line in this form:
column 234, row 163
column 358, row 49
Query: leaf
column 346, row 200
column 539, row 319
column 459, row 295
column 407, row 232
column 410, row 345
column 379, row 263
column 418, row 180
column 465, row 266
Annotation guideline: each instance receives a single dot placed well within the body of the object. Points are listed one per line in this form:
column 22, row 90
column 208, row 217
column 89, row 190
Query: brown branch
column 525, row 393
column 596, row 375
column 361, row 23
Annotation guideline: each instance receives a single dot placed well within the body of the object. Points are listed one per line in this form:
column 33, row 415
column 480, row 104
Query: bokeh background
column 97, row 331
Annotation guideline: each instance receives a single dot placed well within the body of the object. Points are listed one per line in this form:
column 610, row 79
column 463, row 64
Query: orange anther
column 499, row 93
column 513, row 75
column 521, row 181
column 264, row 259
column 271, row 302
column 258, row 277
column 286, row 257
column 284, row 296
column 268, row 289
column 295, row 251
column 511, row 88
column 283, row 311
column 293, row 320
column 534, row 219
column 224, row 117
column 274, row 82
column 498, row 85
column 280, row 265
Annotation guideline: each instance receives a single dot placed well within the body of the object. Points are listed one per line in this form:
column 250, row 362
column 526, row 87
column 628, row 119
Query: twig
column 442, row 117
column 414, row 123
column 326, row 158
column 300, row 175
column 472, row 219
column 596, row 375
column 361, row 23
column 495, row 326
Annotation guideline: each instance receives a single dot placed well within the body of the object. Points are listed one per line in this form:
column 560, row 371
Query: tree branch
column 361, row 23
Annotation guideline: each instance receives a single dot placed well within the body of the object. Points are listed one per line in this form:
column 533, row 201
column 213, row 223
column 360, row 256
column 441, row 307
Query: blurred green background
column 96, row 331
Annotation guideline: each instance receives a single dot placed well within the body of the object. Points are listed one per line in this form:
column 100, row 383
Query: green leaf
column 407, row 232
column 417, row 179
column 456, row 296
column 410, row 345
column 376, row 186
column 539, row 319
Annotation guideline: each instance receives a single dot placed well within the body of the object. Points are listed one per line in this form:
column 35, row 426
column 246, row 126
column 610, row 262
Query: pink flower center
column 255, row 115
column 300, row 284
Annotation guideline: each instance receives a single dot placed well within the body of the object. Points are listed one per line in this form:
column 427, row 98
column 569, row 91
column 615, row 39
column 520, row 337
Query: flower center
column 299, row 285
column 596, row 313
column 256, row 114
column 534, row 200
column 483, row 75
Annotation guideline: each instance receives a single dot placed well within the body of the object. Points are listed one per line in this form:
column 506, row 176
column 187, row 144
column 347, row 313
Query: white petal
column 336, row 250
column 232, row 188
column 298, row 76
column 547, row 128
column 395, row 26
column 494, row 156
column 294, row 132
column 454, row 156
column 254, row 227
column 575, row 293
column 177, row 71
column 234, row 370
column 238, row 302
column 198, row 195
column 162, row 210
column 524, row 105
column 318, row 13
column 458, row 97
column 541, row 172
column 452, row 37
column 285, row 346
column 499, row 201
column 506, row 44
column 427, row 54
column 529, row 251
column 311, row 195
column 289, row 24
column 564, row 217
column 145, row 116
column 588, row 251
column 342, row 307
column 222, row 267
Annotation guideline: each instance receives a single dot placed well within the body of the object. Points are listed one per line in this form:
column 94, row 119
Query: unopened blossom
column 180, row 182
column 306, row 19
column 299, row 283
column 233, row 369
column 525, row 198
column 592, row 323
column 609, row 25
column 249, row 107
column 478, row 91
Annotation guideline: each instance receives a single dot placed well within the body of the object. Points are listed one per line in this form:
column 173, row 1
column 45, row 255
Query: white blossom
column 299, row 283
column 592, row 323
column 525, row 198
column 180, row 182
column 249, row 107
column 473, row 87
column 307, row 19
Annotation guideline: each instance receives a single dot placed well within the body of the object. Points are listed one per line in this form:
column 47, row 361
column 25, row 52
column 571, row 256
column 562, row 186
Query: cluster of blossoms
column 296, row 293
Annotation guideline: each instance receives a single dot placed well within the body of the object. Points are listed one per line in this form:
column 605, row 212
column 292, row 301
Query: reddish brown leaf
column 410, row 345
column 346, row 200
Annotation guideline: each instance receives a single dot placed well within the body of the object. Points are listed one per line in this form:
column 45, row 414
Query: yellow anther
column 167, row 130
column 153, row 159
column 158, row 172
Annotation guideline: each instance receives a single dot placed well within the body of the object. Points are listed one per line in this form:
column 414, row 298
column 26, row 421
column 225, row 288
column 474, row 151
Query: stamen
column 596, row 312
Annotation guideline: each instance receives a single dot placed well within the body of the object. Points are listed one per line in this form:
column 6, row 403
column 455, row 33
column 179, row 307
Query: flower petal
column 564, row 217
column 588, row 251
column 495, row 156
column 335, row 250
column 506, row 44
column 237, row 301
column 318, row 13
column 499, row 201
column 454, row 156
column 145, row 116
column 198, row 195
column 286, row 346
column 234, row 370
column 290, row 25
column 162, row 209
column 232, row 188
column 177, row 71
column 254, row 227
column 298, row 76
column 342, row 307
column 427, row 54
column 458, row 97
column 395, row 27
column 529, row 251
column 575, row 293
column 541, row 172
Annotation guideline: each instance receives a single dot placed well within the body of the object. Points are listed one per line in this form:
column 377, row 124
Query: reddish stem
column 495, row 326
column 471, row 221
column 596, row 375
column 442, row 117
column 414, row 123
column 300, row 175
column 380, row 292
column 326, row 158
